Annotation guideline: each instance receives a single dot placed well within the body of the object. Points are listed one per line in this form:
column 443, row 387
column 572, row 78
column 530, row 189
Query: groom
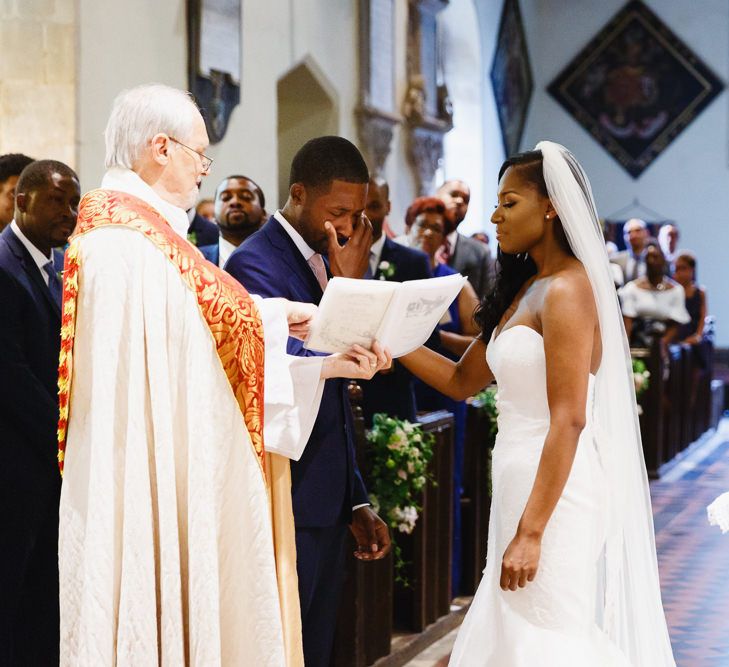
column 327, row 193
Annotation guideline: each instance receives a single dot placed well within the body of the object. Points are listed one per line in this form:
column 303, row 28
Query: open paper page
column 417, row 307
column 400, row 315
column 351, row 311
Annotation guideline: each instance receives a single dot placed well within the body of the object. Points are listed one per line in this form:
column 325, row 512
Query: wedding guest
column 632, row 261
column 11, row 164
column 668, row 236
column 482, row 237
column 692, row 332
column 465, row 255
column 46, row 208
column 201, row 231
column 240, row 210
column 654, row 305
column 391, row 392
column 206, row 208
column 456, row 334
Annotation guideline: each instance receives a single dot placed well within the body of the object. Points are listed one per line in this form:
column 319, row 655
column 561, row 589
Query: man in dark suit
column 328, row 188
column 201, row 231
column 46, row 207
column 240, row 210
column 390, row 391
column 468, row 256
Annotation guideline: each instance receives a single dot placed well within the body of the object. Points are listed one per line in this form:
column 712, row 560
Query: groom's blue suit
column 326, row 482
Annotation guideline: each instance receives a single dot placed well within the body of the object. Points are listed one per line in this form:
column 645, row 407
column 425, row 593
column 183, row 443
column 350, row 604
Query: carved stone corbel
column 376, row 114
column 376, row 130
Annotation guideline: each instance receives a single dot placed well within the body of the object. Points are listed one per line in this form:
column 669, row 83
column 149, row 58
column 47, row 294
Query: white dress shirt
column 38, row 257
column 298, row 240
column 376, row 253
column 452, row 239
column 225, row 250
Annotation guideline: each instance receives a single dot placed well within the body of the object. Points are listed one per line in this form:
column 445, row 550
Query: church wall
column 689, row 181
column 124, row 44
column 37, row 78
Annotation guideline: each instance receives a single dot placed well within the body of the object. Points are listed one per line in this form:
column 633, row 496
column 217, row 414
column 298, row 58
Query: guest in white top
column 653, row 305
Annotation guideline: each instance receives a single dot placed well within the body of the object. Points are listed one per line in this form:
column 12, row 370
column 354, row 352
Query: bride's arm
column 456, row 379
column 568, row 324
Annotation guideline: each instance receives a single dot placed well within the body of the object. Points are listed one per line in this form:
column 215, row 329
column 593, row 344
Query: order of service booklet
column 401, row 316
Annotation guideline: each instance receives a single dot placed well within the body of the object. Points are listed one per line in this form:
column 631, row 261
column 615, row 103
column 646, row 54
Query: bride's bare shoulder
column 570, row 287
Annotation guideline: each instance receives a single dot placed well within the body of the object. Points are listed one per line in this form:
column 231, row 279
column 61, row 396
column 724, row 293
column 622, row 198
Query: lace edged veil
column 629, row 602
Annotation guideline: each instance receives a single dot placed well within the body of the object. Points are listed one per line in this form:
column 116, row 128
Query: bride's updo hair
column 514, row 270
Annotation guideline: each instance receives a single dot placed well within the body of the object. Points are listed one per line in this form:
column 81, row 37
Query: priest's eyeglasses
column 205, row 161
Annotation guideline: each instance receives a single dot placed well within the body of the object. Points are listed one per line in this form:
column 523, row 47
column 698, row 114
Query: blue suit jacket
column 30, row 484
column 393, row 392
column 211, row 252
column 205, row 232
column 326, row 482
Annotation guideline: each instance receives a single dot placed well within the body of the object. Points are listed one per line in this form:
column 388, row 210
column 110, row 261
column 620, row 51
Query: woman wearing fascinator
column 571, row 577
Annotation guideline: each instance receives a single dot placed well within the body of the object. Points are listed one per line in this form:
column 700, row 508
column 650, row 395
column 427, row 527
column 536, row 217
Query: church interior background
column 429, row 90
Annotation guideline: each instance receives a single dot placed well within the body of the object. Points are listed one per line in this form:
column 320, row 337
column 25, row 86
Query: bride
column 571, row 577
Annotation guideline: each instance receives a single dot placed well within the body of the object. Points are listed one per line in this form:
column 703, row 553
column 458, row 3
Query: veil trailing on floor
column 631, row 612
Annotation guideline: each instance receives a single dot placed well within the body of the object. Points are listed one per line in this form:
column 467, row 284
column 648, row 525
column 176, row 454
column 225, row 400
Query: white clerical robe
column 166, row 552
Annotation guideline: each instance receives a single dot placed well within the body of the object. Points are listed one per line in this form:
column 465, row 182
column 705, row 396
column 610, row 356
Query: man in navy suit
column 240, row 210
column 390, row 391
column 201, row 231
column 47, row 198
column 324, row 214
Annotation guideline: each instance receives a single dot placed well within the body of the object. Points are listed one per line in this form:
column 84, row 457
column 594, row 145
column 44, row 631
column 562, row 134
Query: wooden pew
column 427, row 551
column 689, row 399
column 651, row 419
column 672, row 404
column 370, row 600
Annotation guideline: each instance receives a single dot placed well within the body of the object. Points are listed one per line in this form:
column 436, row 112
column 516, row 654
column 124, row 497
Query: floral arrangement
column 641, row 377
column 386, row 269
column 487, row 398
column 399, row 453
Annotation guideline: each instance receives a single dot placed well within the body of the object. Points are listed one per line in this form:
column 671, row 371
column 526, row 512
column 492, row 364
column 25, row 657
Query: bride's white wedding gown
column 552, row 621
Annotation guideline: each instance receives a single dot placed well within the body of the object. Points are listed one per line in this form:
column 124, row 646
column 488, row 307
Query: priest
column 176, row 532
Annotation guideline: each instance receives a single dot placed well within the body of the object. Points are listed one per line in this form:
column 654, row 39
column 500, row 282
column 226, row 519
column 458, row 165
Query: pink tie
column 316, row 262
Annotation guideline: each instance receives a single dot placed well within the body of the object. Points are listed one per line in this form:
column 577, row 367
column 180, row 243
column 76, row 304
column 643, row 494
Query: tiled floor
column 693, row 559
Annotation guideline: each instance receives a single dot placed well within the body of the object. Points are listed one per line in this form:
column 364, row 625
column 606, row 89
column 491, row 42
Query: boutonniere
column 386, row 269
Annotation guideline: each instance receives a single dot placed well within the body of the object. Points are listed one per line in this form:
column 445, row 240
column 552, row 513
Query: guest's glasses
column 205, row 161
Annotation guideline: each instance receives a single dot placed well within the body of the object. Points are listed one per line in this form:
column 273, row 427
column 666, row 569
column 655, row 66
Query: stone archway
column 307, row 108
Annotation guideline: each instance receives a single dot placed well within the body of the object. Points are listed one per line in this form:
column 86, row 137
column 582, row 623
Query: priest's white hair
column 140, row 113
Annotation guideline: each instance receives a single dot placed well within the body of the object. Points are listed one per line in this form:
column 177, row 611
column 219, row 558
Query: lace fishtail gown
column 552, row 621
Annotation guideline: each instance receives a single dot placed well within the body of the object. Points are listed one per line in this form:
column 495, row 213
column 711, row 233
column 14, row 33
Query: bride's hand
column 357, row 364
column 520, row 562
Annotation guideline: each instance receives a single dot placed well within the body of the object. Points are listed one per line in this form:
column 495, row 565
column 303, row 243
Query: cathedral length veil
column 629, row 600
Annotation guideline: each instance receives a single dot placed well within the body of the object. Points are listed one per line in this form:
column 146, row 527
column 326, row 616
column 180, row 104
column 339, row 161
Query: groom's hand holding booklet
column 400, row 316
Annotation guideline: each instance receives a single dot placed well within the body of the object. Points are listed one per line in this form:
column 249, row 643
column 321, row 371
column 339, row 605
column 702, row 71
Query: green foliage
column 641, row 377
column 399, row 454
column 487, row 399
